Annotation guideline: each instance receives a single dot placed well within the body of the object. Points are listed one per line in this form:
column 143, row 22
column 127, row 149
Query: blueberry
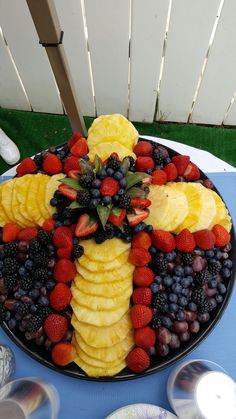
column 118, row 175
column 158, row 279
column 34, row 293
column 154, row 287
column 176, row 288
column 219, row 298
column 148, row 171
column 212, row 284
column 110, row 171
column 167, row 281
column 209, row 254
column 67, row 222
column 151, row 351
column 107, row 200
column 33, row 308
column 58, row 224
column 198, row 252
column 221, row 288
column 55, row 216
column 192, row 306
column 188, row 270
column 228, row 263
column 94, row 193
column 12, row 323
column 96, row 183
column 166, row 322
column 148, row 229
column 185, row 292
column 225, row 272
column 159, row 167
column 185, row 282
column 173, row 298
column 94, row 203
column 180, row 315
column 173, row 308
column 28, row 264
column 101, row 174
column 123, row 183
column 182, row 301
column 43, row 301
column 139, row 227
column 146, row 189
column 152, row 250
column 115, row 199
column 53, row 202
column 22, row 271
column 170, row 256
column 176, row 278
column 179, row 270
column 121, row 191
column 218, row 255
column 166, row 160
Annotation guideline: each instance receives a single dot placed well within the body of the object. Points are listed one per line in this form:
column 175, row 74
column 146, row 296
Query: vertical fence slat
column 191, row 24
column 12, row 94
column 30, row 58
column 75, row 43
column 108, row 38
column 219, row 81
column 148, row 24
column 231, row 117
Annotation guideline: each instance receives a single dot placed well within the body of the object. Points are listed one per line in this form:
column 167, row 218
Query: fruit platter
column 116, row 254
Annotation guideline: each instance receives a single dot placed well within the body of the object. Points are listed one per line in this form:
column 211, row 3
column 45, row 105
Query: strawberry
column 49, row 224
column 171, row 172
column 10, row 232
column 64, row 271
column 140, row 202
column 109, row 186
column 117, row 216
column 139, row 257
column 27, row 234
column 205, row 239
column 55, row 326
column 52, row 164
column 27, row 166
column 163, row 240
column 181, row 162
column 60, row 297
column 143, row 276
column 191, row 172
column 138, row 360
column 71, row 163
column 63, row 237
column 138, row 216
column 80, row 148
column 64, row 252
column 222, row 237
column 144, row 337
column 63, row 353
column 86, row 225
column 185, row 241
column 144, row 163
column 141, row 239
column 140, row 315
column 142, row 296
column 143, row 148
column 159, row 177
column 67, row 191
column 74, row 174
column 74, row 138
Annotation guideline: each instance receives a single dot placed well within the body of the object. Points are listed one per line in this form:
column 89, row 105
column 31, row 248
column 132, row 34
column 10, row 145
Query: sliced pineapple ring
column 114, row 275
column 102, row 252
column 94, row 302
column 208, row 209
column 93, row 371
column 95, row 266
column 108, row 289
column 104, row 150
column 94, row 362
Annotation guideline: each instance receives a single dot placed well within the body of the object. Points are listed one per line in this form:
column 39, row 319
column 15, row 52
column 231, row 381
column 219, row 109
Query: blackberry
column 202, row 277
column 40, row 275
column 41, row 259
column 158, row 300
column 86, row 180
column 205, row 307
column 44, row 237
column 23, row 309
column 34, row 323
column 100, row 236
column 3, row 312
column 156, row 322
column 10, row 281
column 157, row 157
column 26, row 283
column 187, row 258
column 124, row 201
column 131, row 163
column 113, row 163
column 44, row 311
column 78, row 251
column 38, row 158
column 198, row 296
column 214, row 267
column 34, row 246
column 83, row 198
column 160, row 264
column 10, row 249
column 10, row 266
column 127, row 230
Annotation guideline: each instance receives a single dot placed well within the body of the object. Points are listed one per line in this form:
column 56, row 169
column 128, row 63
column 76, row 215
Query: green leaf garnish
column 75, row 205
column 98, row 163
column 86, row 167
column 116, row 211
column 73, row 183
column 134, row 191
column 103, row 213
column 125, row 164
column 133, row 178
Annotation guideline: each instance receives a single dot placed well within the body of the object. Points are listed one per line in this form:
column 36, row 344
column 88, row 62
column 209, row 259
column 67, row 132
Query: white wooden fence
column 172, row 60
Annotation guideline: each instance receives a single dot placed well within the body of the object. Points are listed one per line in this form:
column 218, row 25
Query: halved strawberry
column 86, row 225
column 74, row 138
column 68, row 192
column 192, row 172
column 181, row 162
column 80, row 148
column 140, row 202
column 117, row 216
column 74, row 174
column 138, row 216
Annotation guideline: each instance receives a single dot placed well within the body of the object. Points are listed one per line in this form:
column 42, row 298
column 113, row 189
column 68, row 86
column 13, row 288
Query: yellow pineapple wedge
column 107, row 289
column 104, row 150
column 93, row 371
column 95, row 266
column 102, row 253
column 99, row 303
column 116, row 275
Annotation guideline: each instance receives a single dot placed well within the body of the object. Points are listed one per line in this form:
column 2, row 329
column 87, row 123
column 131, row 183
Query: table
column 93, row 400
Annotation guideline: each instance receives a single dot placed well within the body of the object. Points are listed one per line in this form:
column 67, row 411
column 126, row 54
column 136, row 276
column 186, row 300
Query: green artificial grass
column 33, row 132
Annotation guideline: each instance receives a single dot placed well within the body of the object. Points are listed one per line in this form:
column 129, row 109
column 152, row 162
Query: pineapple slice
column 50, row 189
column 106, row 251
column 7, row 192
column 108, row 289
column 15, row 205
column 95, row 266
column 221, row 212
column 21, row 187
column 31, row 200
column 94, row 302
column 226, row 222
column 98, row 318
column 104, row 150
column 115, row 275
column 3, row 217
column 104, row 336
column 208, row 209
column 93, row 362
column 92, row 371
column 41, row 197
column 178, row 210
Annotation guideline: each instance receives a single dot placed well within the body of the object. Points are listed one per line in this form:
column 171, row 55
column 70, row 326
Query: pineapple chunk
column 95, row 266
column 94, row 302
column 106, row 251
column 115, row 275
column 98, row 318
column 108, row 289
column 92, row 371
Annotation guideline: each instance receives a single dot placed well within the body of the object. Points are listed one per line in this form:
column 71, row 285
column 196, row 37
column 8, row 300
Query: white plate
column 141, row 411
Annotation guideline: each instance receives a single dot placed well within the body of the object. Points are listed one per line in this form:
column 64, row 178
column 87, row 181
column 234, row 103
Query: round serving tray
column 157, row 364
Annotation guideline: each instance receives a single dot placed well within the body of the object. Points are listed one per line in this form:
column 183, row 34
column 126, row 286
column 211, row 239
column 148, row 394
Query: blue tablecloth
column 94, row 400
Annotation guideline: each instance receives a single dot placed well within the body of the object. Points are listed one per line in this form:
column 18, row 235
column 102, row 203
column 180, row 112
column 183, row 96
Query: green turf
column 33, row 132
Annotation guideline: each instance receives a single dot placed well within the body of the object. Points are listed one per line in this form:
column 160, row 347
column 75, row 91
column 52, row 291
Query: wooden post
column 47, row 24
